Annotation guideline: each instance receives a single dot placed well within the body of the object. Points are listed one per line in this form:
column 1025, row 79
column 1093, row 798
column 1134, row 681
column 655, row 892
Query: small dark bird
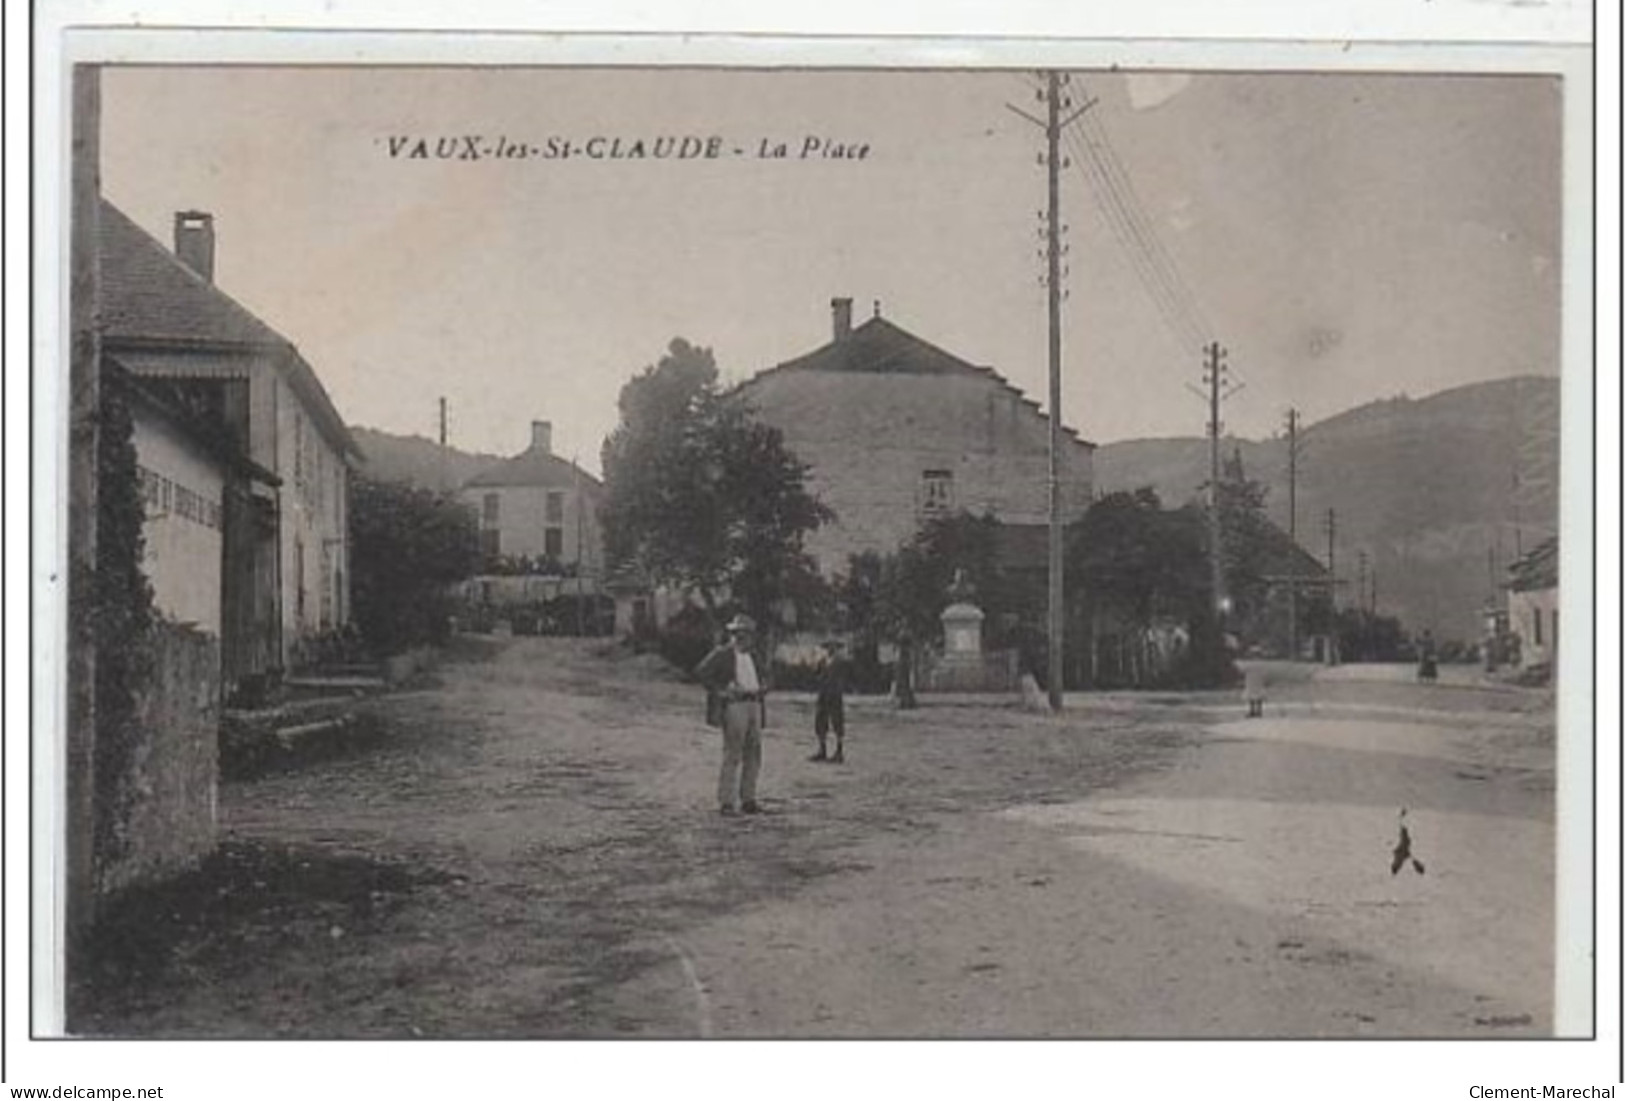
column 1402, row 851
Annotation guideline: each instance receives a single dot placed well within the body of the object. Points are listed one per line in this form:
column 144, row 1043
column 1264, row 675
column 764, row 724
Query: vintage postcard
column 689, row 541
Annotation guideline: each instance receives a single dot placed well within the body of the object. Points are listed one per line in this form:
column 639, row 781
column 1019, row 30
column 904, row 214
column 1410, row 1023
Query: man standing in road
column 731, row 680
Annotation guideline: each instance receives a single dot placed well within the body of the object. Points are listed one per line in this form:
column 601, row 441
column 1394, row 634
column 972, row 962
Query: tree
column 1366, row 636
column 1138, row 565
column 1135, row 560
column 703, row 496
column 946, row 548
column 408, row 547
column 883, row 596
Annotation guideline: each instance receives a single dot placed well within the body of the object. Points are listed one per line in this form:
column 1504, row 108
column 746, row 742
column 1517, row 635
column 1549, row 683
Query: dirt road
column 530, row 849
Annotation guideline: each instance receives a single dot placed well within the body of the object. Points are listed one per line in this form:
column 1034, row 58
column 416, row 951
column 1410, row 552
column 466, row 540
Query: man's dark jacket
column 716, row 672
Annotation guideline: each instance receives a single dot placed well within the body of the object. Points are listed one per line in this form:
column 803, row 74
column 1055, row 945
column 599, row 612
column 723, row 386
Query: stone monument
column 962, row 636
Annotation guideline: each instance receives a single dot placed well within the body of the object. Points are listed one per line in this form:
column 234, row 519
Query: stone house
column 540, row 507
column 284, row 570
column 186, row 468
column 897, row 430
column 1532, row 606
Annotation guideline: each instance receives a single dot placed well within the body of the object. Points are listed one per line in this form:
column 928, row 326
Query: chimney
column 541, row 436
column 194, row 241
column 841, row 308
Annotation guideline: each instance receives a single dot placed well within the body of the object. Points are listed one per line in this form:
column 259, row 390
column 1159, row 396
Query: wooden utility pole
column 581, row 516
column 1053, row 124
column 1331, row 552
column 445, row 456
column 1213, row 378
column 84, row 406
column 1057, row 619
column 1292, row 528
column 1292, row 474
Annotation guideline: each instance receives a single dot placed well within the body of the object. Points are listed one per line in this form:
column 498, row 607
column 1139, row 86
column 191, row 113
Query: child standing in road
column 1253, row 690
column 830, row 713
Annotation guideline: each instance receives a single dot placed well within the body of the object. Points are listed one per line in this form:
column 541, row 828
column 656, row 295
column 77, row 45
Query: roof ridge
column 243, row 328
column 198, row 281
column 955, row 360
column 530, row 462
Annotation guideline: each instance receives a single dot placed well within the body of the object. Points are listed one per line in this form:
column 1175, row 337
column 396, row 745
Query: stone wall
column 169, row 793
column 871, row 436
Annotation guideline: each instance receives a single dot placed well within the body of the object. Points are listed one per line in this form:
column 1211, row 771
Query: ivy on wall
column 121, row 621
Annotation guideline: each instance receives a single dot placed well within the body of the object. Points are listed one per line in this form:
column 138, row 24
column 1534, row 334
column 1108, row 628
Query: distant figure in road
column 1253, row 690
column 904, row 680
column 735, row 701
column 830, row 712
column 1427, row 664
column 1033, row 697
column 1402, row 850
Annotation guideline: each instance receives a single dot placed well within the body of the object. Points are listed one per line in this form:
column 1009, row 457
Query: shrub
column 686, row 638
column 408, row 547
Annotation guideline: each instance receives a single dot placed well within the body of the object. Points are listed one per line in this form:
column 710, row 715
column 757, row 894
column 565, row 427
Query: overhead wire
column 1119, row 204
column 1181, row 326
column 1094, row 126
column 1118, row 223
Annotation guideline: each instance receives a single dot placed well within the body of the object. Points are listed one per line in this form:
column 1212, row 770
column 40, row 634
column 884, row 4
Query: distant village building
column 1295, row 581
column 897, row 430
column 539, row 507
column 282, row 511
column 1532, row 606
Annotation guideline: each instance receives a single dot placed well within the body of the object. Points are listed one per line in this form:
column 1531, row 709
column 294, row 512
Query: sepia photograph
column 1047, row 548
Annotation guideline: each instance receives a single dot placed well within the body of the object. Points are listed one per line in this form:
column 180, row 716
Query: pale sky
column 1347, row 237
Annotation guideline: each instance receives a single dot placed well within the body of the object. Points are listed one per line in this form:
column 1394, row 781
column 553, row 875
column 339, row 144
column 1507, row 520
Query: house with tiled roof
column 897, row 430
column 284, row 574
column 539, row 509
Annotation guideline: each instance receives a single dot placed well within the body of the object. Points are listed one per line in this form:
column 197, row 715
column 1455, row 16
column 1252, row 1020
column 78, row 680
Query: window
column 554, row 546
column 937, row 491
column 493, row 509
column 1537, row 627
column 491, row 542
column 555, row 508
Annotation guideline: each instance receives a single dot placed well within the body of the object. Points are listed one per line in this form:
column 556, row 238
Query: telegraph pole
column 1053, row 124
column 1292, row 528
column 445, row 458
column 1057, row 620
column 1214, row 377
column 1331, row 551
column 580, row 511
column 1333, row 657
column 1292, row 422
